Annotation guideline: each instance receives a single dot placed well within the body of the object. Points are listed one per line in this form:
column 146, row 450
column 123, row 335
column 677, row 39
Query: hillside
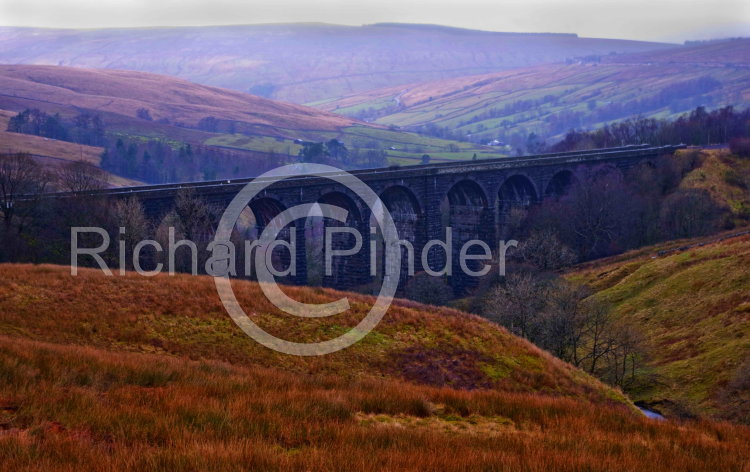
column 726, row 178
column 183, row 316
column 242, row 133
column 553, row 98
column 690, row 300
column 301, row 62
column 91, row 378
column 124, row 92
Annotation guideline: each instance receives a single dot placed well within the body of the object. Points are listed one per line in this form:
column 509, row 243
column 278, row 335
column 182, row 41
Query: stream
column 651, row 414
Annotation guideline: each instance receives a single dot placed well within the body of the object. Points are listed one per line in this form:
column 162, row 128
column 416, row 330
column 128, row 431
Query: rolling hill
column 239, row 127
column 170, row 382
column 167, row 98
column 722, row 52
column 301, row 63
column 553, row 98
column 183, row 316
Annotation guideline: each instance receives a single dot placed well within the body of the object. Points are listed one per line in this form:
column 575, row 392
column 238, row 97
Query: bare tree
column 197, row 218
column 597, row 334
column 598, row 216
column 22, row 179
column 129, row 217
column 193, row 220
column 80, row 176
column 598, row 207
column 688, row 213
column 566, row 320
column 518, row 304
column 22, row 182
column 603, row 345
column 624, row 359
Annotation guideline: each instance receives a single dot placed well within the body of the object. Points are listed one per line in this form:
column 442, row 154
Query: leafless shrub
column 517, row 304
column 132, row 226
column 544, row 251
column 193, row 220
column 688, row 213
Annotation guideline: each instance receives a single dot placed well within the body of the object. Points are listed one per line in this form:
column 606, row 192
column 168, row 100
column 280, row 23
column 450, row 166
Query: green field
column 402, row 148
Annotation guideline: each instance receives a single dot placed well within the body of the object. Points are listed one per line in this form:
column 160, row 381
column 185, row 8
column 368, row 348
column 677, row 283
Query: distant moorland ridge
column 302, row 63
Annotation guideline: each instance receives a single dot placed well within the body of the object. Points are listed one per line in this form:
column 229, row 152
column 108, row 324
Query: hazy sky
column 670, row 20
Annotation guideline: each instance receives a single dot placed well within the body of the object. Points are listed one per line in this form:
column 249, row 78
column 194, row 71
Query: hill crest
column 301, row 63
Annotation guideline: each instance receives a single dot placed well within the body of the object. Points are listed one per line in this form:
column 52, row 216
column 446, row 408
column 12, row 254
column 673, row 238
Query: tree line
column 85, row 128
column 34, row 228
column 151, row 160
column 161, row 161
column 699, row 127
column 335, row 153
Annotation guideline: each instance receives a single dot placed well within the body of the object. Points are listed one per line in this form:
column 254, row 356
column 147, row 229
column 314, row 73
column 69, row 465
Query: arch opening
column 406, row 213
column 465, row 211
column 346, row 271
column 251, row 223
column 514, row 198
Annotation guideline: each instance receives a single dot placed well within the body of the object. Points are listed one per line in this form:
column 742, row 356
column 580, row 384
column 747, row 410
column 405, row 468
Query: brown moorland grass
column 65, row 407
column 182, row 316
column 130, row 373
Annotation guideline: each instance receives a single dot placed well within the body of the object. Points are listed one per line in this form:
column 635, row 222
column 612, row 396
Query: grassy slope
column 726, row 178
column 402, row 147
column 617, row 79
column 90, row 377
column 183, row 316
column 693, row 306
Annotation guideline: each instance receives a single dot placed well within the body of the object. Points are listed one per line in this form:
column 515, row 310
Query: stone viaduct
column 474, row 198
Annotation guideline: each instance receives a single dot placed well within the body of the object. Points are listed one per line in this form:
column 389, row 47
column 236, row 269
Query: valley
column 549, row 100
